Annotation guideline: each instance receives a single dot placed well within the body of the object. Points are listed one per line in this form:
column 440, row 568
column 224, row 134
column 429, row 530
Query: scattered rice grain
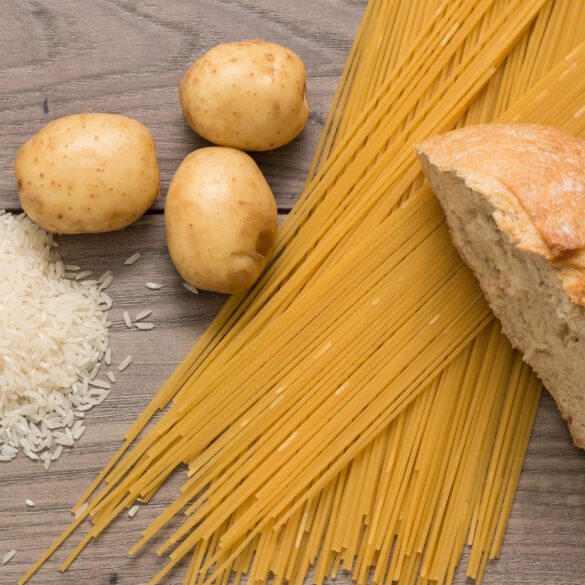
column 125, row 363
column 142, row 314
column 101, row 396
column 144, row 325
column 108, row 356
column 106, row 282
column 77, row 430
column 111, row 376
column 104, row 276
column 64, row 440
column 106, row 302
column 90, row 282
column 190, row 288
column 29, row 503
column 83, row 274
column 131, row 259
column 133, row 510
column 153, row 285
column 101, row 384
column 92, row 374
column 127, row 319
column 30, row 454
column 8, row 556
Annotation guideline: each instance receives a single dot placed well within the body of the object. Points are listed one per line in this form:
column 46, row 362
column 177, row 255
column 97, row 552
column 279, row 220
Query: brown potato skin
column 249, row 95
column 221, row 220
column 88, row 173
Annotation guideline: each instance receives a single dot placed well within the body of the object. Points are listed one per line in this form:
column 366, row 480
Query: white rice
column 144, row 325
column 111, row 377
column 131, row 259
column 54, row 335
column 127, row 319
column 94, row 371
column 106, row 304
column 8, row 556
column 83, row 274
column 29, row 503
column 125, row 363
column 133, row 510
column 142, row 314
column 105, row 279
column 106, row 283
column 27, row 450
column 153, row 285
column 77, row 430
column 190, row 288
column 101, row 384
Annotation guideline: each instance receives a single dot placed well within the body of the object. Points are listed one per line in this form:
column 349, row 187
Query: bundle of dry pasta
column 359, row 408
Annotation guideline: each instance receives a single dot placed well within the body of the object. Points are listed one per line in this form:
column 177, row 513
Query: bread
column 514, row 199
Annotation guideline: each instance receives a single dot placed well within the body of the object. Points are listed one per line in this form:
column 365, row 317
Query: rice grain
column 127, row 319
column 190, row 288
column 125, row 363
column 131, row 259
column 142, row 314
column 8, row 556
column 54, row 334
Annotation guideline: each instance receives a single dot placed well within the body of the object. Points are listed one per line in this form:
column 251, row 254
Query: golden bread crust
column 540, row 176
column 514, row 199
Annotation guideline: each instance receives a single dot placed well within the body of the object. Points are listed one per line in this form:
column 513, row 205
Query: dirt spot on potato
column 264, row 242
column 35, row 200
column 276, row 109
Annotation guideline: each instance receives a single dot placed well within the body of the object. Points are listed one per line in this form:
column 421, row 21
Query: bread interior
column 524, row 291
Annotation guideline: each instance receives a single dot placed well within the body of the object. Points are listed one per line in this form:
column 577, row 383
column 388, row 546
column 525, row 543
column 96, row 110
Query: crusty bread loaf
column 514, row 198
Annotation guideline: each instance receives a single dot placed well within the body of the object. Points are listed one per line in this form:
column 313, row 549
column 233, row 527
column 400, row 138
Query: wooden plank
column 179, row 317
column 128, row 57
column 60, row 58
column 547, row 529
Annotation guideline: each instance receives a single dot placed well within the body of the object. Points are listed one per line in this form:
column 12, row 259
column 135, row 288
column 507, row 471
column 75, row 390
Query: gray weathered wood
column 64, row 57
column 128, row 57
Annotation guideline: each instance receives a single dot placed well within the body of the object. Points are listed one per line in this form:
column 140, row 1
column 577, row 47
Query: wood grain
column 66, row 56
column 63, row 56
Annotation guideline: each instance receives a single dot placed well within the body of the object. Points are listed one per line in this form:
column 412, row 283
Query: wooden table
column 64, row 56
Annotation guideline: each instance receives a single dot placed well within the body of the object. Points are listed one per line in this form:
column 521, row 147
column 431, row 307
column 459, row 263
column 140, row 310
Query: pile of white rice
column 53, row 335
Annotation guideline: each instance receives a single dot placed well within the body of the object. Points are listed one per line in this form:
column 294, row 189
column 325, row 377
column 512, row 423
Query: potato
column 249, row 95
column 221, row 219
column 88, row 173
